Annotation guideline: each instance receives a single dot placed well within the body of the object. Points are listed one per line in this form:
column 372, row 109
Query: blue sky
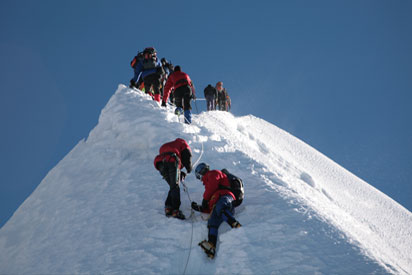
column 336, row 74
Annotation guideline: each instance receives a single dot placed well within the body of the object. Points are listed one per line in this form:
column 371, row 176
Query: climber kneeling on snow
column 173, row 156
column 219, row 199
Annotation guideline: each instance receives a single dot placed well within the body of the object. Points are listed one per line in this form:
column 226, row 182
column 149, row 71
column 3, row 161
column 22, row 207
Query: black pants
column 171, row 173
column 182, row 96
column 152, row 80
column 222, row 105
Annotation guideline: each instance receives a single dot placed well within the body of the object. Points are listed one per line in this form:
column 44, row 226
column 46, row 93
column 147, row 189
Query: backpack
column 149, row 58
column 209, row 91
column 166, row 63
column 222, row 95
column 236, row 187
column 136, row 59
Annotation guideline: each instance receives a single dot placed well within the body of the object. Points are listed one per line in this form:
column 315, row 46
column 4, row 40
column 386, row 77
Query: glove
column 182, row 176
column 163, row 104
column 189, row 169
column 196, row 207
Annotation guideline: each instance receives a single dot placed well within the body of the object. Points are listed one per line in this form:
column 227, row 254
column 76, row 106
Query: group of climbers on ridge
column 163, row 81
column 217, row 98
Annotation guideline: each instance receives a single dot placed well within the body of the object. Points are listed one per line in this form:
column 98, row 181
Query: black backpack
column 149, row 58
column 167, row 64
column 209, row 90
column 136, row 59
column 236, row 187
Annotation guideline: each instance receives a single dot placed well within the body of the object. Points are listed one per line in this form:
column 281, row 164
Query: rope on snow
column 192, row 212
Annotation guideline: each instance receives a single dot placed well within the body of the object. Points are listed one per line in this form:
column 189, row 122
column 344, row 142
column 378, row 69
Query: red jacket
column 211, row 180
column 176, row 80
column 182, row 151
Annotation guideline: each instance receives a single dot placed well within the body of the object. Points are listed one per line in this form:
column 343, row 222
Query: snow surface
column 100, row 210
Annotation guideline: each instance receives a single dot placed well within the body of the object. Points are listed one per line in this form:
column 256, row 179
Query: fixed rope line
column 201, row 154
column 191, row 234
column 191, row 217
column 192, row 212
column 197, row 110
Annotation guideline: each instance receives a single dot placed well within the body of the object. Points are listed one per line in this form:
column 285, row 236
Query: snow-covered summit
column 100, row 210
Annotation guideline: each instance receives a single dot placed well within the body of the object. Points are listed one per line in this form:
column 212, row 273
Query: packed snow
column 100, row 210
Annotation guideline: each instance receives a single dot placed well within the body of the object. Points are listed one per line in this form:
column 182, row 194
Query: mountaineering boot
column 178, row 214
column 157, row 97
column 178, row 111
column 235, row 224
column 188, row 116
column 232, row 222
column 168, row 211
column 208, row 248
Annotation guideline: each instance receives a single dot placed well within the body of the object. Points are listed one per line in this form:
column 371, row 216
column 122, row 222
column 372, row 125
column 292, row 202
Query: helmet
column 150, row 50
column 201, row 170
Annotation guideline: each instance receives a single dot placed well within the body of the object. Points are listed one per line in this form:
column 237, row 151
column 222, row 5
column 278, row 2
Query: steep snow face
column 100, row 210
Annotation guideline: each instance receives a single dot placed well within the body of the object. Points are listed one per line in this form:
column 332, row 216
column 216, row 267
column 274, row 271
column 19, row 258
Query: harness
column 170, row 154
column 181, row 82
column 166, row 157
column 223, row 187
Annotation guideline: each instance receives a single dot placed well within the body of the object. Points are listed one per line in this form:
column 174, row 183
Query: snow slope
column 100, row 210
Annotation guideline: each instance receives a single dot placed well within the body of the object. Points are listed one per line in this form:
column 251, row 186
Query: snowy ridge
column 100, row 210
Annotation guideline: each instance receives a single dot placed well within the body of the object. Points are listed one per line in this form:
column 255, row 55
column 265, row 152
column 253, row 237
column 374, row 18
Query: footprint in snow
column 308, row 179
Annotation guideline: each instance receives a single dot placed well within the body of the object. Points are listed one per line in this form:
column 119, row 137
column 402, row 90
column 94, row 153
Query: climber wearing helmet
column 217, row 199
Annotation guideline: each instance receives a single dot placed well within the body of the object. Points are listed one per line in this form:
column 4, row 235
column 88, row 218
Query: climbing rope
column 186, row 190
column 192, row 212
column 197, row 110
column 191, row 217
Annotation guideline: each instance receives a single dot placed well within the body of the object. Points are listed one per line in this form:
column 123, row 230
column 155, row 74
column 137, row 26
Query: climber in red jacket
column 173, row 156
column 184, row 91
column 218, row 199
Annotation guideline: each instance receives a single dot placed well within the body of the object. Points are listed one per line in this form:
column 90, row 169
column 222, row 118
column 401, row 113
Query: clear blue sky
column 336, row 74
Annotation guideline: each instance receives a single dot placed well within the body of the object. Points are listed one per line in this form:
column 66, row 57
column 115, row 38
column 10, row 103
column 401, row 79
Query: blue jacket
column 138, row 70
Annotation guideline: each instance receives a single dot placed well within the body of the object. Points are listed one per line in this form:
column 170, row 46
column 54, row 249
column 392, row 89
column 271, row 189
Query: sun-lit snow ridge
column 100, row 210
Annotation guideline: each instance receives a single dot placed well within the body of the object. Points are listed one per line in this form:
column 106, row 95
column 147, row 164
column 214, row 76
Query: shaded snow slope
column 100, row 210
